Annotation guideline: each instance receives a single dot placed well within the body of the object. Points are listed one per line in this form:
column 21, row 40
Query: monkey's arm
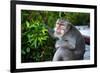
column 51, row 32
column 70, row 43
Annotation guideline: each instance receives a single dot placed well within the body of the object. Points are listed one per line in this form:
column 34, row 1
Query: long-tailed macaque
column 70, row 44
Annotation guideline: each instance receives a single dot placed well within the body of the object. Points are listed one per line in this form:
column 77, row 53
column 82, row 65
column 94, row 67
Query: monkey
column 70, row 44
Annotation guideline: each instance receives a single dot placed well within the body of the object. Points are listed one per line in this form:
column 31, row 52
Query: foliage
column 36, row 44
column 78, row 18
column 34, row 38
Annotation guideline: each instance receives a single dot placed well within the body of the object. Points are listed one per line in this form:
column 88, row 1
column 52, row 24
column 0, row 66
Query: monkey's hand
column 65, row 44
column 57, row 46
column 59, row 43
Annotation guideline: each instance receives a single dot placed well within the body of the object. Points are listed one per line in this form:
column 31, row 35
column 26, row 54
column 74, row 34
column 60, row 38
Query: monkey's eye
column 63, row 27
column 59, row 24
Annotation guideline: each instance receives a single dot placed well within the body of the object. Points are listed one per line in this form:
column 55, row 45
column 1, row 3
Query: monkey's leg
column 71, row 55
column 57, row 55
column 67, row 54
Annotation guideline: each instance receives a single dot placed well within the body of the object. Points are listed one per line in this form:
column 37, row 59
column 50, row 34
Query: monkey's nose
column 58, row 31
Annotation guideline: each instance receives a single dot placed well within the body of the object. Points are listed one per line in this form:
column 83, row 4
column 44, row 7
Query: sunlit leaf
column 27, row 24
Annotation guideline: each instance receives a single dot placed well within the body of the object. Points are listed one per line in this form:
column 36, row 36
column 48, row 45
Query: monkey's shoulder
column 73, row 37
column 73, row 33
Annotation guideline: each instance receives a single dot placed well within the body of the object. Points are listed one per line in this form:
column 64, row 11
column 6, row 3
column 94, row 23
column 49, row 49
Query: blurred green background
column 36, row 44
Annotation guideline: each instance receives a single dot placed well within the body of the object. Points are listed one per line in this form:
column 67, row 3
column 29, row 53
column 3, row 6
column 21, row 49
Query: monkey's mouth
column 58, row 32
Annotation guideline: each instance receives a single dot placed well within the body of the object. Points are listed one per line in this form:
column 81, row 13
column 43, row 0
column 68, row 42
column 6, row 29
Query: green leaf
column 35, row 43
column 27, row 24
column 60, row 14
column 28, row 50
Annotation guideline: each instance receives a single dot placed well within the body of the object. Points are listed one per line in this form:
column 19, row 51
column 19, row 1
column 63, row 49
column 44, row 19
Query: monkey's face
column 60, row 30
column 61, row 27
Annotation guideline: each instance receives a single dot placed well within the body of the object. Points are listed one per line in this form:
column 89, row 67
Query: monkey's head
column 62, row 26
